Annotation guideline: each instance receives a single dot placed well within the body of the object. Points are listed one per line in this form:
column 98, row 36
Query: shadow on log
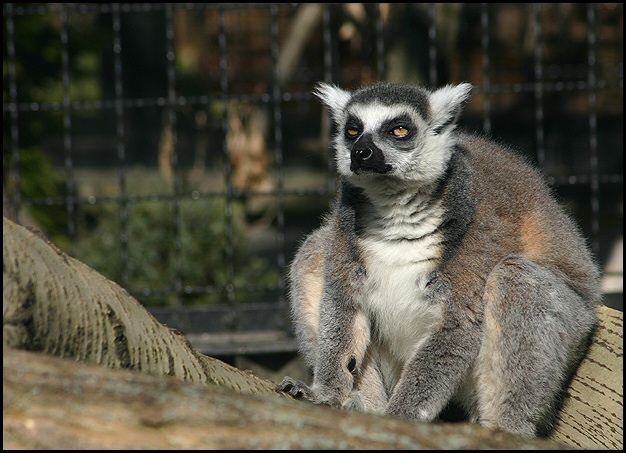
column 155, row 391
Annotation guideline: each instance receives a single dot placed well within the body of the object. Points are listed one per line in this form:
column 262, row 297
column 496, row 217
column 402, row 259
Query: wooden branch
column 52, row 403
column 592, row 416
column 59, row 307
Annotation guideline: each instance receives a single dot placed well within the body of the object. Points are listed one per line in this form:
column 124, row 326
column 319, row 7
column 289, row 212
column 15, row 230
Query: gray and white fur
column 446, row 272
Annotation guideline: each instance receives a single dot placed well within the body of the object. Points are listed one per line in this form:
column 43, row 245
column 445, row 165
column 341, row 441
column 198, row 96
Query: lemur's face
column 378, row 139
column 393, row 132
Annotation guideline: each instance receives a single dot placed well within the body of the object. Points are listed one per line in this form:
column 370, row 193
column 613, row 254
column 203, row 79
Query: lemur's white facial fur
column 396, row 132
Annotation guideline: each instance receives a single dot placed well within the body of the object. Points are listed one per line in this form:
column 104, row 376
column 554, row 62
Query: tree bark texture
column 593, row 413
column 155, row 391
column 54, row 403
column 59, row 306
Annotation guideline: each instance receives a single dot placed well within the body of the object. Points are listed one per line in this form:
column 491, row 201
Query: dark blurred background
column 177, row 149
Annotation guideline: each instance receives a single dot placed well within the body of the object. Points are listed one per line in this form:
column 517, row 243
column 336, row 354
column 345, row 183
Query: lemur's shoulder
column 513, row 194
column 503, row 172
column 489, row 154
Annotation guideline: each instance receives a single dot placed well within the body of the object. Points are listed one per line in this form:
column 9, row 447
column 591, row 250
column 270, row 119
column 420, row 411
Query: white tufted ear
column 334, row 97
column 446, row 104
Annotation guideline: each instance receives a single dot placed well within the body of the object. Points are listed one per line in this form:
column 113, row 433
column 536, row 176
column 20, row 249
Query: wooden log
column 52, row 403
column 61, row 308
column 593, row 413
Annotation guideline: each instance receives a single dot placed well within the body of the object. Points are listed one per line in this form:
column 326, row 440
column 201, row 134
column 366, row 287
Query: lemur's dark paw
column 298, row 389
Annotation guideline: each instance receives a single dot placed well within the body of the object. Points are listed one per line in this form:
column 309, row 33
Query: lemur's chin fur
column 444, row 273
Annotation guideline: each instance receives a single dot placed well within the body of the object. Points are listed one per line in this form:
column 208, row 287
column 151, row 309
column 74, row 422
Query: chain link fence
column 178, row 150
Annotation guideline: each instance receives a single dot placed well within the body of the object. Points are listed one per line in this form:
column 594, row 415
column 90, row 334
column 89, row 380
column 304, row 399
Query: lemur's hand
column 299, row 390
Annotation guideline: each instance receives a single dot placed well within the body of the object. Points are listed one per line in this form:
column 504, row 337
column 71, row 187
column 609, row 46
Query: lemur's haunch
column 445, row 273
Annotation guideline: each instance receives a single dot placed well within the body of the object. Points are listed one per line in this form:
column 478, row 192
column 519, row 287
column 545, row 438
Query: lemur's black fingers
column 296, row 389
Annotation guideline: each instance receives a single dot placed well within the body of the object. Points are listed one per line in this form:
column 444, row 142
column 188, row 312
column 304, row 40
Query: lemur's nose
column 362, row 154
column 366, row 156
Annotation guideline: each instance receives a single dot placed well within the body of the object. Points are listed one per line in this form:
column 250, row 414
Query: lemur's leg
column 536, row 327
column 306, row 277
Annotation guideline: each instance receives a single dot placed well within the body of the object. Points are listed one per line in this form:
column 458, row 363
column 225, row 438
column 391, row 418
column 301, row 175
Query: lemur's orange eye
column 400, row 131
column 352, row 132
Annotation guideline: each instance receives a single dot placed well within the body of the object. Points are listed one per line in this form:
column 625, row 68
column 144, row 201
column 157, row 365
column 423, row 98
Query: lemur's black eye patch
column 399, row 127
column 353, row 127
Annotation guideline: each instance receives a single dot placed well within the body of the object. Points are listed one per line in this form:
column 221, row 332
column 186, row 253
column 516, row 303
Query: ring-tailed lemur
column 446, row 272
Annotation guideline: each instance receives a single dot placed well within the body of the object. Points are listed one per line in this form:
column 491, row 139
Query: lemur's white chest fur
column 401, row 246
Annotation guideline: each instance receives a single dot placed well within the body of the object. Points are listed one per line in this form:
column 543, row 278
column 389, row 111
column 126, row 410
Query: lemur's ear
column 334, row 97
column 446, row 104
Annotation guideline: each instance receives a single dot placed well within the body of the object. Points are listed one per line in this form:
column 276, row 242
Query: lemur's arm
column 343, row 329
column 432, row 375
column 344, row 332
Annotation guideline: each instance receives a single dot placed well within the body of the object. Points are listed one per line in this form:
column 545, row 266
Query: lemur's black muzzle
column 365, row 156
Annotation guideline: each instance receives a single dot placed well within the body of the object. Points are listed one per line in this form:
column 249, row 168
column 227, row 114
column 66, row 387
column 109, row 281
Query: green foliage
column 38, row 179
column 37, row 72
column 152, row 254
